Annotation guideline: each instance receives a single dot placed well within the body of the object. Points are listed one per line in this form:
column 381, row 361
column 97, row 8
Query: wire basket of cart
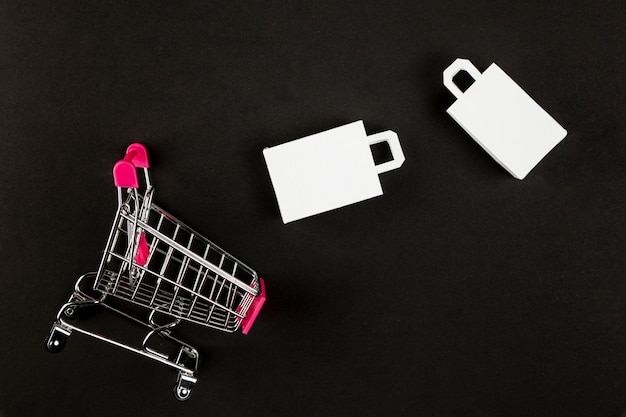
column 154, row 261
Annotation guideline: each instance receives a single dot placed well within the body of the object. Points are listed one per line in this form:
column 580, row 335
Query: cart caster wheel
column 69, row 312
column 56, row 340
column 182, row 393
column 184, row 387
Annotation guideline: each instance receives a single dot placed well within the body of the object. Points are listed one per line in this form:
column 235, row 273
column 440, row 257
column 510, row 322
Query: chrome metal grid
column 185, row 276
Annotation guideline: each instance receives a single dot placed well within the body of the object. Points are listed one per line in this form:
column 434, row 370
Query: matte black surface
column 460, row 292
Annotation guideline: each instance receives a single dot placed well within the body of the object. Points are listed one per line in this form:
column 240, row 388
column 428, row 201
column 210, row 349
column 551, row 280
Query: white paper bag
column 502, row 118
column 328, row 170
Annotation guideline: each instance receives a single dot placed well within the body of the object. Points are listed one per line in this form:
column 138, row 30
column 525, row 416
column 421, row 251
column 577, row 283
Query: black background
column 460, row 292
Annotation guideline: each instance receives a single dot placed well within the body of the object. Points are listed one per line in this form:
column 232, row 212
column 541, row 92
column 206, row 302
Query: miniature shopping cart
column 154, row 264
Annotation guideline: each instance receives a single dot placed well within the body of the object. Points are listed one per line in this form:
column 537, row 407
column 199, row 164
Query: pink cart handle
column 125, row 170
column 137, row 154
column 254, row 310
column 125, row 175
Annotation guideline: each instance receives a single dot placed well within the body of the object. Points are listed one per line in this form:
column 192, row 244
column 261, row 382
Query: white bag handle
column 391, row 138
column 457, row 66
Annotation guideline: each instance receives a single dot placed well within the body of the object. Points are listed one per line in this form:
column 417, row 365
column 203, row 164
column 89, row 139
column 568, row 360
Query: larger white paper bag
column 328, row 170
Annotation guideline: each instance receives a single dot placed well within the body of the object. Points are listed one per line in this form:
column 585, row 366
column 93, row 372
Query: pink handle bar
column 254, row 310
column 137, row 154
column 125, row 170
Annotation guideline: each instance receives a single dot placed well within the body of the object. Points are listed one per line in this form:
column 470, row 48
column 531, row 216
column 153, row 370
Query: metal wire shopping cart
column 155, row 263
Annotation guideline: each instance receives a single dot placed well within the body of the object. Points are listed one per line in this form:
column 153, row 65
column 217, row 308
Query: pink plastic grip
column 254, row 310
column 136, row 154
column 125, row 175
column 124, row 171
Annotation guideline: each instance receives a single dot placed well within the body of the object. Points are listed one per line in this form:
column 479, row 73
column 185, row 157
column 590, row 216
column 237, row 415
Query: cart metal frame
column 156, row 262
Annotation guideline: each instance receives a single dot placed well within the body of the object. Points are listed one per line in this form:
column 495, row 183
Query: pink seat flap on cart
column 143, row 251
column 254, row 309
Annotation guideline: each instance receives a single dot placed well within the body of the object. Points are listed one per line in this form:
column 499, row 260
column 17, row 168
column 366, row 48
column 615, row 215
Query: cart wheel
column 184, row 387
column 182, row 393
column 56, row 340
column 70, row 312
